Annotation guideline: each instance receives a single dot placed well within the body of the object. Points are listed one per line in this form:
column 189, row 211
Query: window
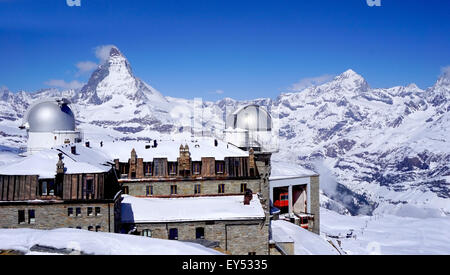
column 196, row 168
column 251, row 253
column 173, row 189
column 31, row 216
column 90, row 228
column 197, row 189
column 78, row 227
column 21, row 216
column 147, row 233
column 47, row 188
column 89, row 211
column 219, row 167
column 149, row 190
column 97, row 211
column 125, row 190
column 200, row 233
column 89, row 186
column 243, row 187
column 221, row 188
column 133, row 175
column 172, row 168
column 173, row 234
column 78, row 211
column 70, row 212
column 98, row 228
column 148, row 168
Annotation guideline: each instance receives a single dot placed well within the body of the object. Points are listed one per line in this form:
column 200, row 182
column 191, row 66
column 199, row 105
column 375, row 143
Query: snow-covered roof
column 154, row 210
column 43, row 163
column 287, row 170
column 305, row 242
column 170, row 149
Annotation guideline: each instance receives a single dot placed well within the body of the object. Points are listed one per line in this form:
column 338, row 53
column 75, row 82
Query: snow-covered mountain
column 374, row 148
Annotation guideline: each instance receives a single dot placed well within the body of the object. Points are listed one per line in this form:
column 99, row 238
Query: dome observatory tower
column 251, row 127
column 50, row 123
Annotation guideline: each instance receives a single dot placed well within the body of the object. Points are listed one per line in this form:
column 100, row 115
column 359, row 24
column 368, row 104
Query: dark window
column 89, row 186
column 149, row 190
column 70, row 211
column 196, row 168
column 219, row 167
column 21, row 216
column 243, row 187
column 89, row 211
column 47, row 188
column 173, row 189
column 251, row 253
column 200, row 233
column 125, row 190
column 97, row 211
column 31, row 216
column 78, row 227
column 98, row 228
column 172, row 168
column 221, row 188
column 78, row 211
column 173, row 234
column 197, row 189
column 133, row 175
column 147, row 233
column 148, row 168
column 90, row 228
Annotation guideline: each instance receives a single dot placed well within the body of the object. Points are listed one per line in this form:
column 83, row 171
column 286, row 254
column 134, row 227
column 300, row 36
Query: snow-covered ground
column 409, row 232
column 96, row 243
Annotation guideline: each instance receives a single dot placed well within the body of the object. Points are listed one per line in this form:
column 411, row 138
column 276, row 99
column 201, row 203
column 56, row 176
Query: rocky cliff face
column 374, row 148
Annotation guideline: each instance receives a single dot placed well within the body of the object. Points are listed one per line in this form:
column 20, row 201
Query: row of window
column 31, row 216
column 197, row 189
column 151, row 169
column 90, row 228
column 89, row 211
column 173, row 233
column 48, row 187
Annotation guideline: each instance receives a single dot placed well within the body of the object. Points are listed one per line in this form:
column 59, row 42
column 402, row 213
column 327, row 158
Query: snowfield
column 389, row 234
column 97, row 243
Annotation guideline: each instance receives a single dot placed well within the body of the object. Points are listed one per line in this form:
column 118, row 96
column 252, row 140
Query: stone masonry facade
column 236, row 237
column 51, row 215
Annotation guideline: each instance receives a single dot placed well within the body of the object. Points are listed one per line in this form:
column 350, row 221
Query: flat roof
column 156, row 210
column 170, row 149
column 286, row 170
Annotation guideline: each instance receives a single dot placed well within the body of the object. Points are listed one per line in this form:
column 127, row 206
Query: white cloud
column 309, row 81
column 445, row 71
column 85, row 67
column 102, row 52
column 59, row 83
column 219, row 92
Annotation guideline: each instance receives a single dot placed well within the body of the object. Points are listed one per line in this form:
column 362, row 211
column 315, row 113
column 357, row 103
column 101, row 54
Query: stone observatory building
column 50, row 123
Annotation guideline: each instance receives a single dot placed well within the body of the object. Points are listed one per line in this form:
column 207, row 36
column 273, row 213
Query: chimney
column 101, row 143
column 155, row 143
column 73, row 150
column 248, row 196
column 60, row 165
column 87, row 144
column 216, row 143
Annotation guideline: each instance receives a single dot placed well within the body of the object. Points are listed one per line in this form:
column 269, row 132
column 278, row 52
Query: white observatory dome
column 251, row 127
column 251, row 118
column 49, row 116
column 50, row 123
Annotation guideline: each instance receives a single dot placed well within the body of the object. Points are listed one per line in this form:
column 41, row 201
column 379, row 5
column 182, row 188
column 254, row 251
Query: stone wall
column 55, row 215
column 236, row 237
column 186, row 188
column 315, row 203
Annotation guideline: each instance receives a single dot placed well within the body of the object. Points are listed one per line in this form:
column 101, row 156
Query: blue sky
column 213, row 48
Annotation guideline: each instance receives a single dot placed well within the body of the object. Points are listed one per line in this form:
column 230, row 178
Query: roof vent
column 87, row 144
column 73, row 150
column 216, row 143
column 147, row 146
